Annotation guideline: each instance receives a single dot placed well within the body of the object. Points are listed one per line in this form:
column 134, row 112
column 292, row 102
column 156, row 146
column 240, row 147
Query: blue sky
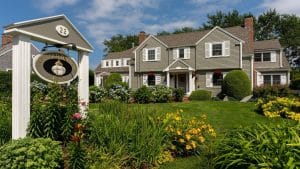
column 100, row 19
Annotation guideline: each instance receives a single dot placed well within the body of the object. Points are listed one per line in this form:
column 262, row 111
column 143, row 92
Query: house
column 198, row 60
column 6, row 53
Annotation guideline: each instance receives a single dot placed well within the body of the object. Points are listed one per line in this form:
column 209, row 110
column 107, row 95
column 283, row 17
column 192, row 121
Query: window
column 151, row 80
column 217, row 78
column 217, row 49
column 181, row 53
column 266, row 57
column 117, row 63
column 272, row 79
column 262, row 57
column 127, row 62
column 151, row 54
column 107, row 63
column 257, row 57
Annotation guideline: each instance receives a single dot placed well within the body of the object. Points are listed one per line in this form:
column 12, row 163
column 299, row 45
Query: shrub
column 178, row 94
column 236, row 84
column 161, row 94
column 184, row 136
column 113, row 79
column 200, row 95
column 262, row 146
column 128, row 137
column 32, row 154
column 5, row 85
column 97, row 94
column 5, row 123
column 142, row 95
column 119, row 92
column 279, row 107
column 295, row 79
column 267, row 90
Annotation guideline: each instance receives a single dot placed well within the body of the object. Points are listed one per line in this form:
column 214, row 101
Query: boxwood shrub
column 32, row 154
column 142, row 95
column 236, row 84
column 200, row 95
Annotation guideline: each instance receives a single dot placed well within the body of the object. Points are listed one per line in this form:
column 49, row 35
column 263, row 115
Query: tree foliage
column 120, row 43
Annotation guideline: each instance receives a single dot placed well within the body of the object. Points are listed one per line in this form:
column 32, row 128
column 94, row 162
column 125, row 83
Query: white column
column 83, row 82
column 21, row 70
column 190, row 82
column 168, row 79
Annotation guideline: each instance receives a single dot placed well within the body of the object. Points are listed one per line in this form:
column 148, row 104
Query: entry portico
column 54, row 30
column 180, row 75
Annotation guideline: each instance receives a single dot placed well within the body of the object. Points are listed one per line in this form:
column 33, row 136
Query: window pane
column 217, row 49
column 151, row 80
column 266, row 57
column 127, row 62
column 181, row 53
column 276, row 79
column 217, row 78
column 267, row 79
column 151, row 54
column 117, row 63
column 257, row 57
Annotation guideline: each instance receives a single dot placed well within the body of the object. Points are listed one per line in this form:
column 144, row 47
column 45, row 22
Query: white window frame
column 147, row 54
column 119, row 63
column 272, row 56
column 186, row 53
column 222, row 50
column 208, row 48
column 105, row 62
column 125, row 62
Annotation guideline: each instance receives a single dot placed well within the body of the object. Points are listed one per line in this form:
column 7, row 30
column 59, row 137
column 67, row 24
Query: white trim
column 168, row 68
column 54, row 17
column 251, row 71
column 224, row 31
column 134, row 61
column 6, row 52
column 42, row 37
column 150, row 36
column 280, row 58
column 241, row 58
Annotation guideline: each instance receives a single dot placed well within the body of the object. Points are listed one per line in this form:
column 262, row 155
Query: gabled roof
column 181, row 63
column 124, row 54
column 43, row 29
column 150, row 36
column 267, row 44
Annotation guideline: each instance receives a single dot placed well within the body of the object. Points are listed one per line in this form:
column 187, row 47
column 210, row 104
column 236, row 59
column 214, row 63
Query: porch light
column 58, row 69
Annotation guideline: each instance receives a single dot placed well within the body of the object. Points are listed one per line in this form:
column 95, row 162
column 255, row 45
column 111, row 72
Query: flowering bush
column 119, row 92
column 97, row 94
column 185, row 136
column 279, row 107
column 161, row 94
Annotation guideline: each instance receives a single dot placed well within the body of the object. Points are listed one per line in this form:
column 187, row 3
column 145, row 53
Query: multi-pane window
column 217, row 79
column 181, row 53
column 257, row 57
column 267, row 80
column 151, row 80
column 272, row 79
column 265, row 57
column 117, row 63
column 217, row 49
column 276, row 79
column 151, row 54
column 107, row 63
column 127, row 62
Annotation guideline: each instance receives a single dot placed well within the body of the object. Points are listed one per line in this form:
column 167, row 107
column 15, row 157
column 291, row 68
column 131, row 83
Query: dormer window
column 265, row 57
column 117, row 63
column 217, row 49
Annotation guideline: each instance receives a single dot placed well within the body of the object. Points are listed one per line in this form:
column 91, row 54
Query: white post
column 190, row 82
column 21, row 70
column 168, row 79
column 83, row 82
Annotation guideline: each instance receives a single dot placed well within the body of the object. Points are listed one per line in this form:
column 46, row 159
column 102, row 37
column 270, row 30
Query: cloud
column 169, row 26
column 52, row 5
column 283, row 6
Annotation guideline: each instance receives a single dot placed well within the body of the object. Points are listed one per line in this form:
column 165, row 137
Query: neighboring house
column 199, row 60
column 6, row 53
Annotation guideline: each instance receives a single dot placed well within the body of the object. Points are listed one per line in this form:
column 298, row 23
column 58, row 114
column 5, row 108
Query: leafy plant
column 200, row 95
column 178, row 94
column 142, row 95
column 161, row 94
column 267, row 90
column 97, row 94
column 113, row 79
column 262, row 146
column 236, row 84
column 31, row 153
column 5, row 123
column 119, row 92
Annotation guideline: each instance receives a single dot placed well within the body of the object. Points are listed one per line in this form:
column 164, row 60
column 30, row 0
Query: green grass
column 222, row 116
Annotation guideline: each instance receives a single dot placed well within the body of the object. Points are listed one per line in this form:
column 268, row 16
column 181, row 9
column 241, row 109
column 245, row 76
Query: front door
column 182, row 81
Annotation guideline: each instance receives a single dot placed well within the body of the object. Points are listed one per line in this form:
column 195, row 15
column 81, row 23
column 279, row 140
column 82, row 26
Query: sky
column 98, row 20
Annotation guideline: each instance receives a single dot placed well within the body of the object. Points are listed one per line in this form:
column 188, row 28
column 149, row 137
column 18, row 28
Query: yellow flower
column 173, row 147
column 201, row 139
column 181, row 110
column 193, row 143
column 181, row 140
column 178, row 132
column 188, row 137
column 177, row 118
column 188, row 147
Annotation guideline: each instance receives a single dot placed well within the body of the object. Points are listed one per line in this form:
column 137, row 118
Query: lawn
column 222, row 115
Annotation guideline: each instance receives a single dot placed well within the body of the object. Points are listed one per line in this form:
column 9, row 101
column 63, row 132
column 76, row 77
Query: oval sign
column 62, row 30
column 55, row 67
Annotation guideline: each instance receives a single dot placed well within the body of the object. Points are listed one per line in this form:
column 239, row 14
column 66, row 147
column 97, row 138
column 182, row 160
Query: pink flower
column 76, row 116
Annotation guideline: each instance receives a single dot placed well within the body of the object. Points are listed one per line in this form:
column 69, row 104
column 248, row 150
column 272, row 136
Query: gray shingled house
column 198, row 60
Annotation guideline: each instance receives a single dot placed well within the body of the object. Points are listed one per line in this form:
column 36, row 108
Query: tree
column 120, row 43
column 268, row 25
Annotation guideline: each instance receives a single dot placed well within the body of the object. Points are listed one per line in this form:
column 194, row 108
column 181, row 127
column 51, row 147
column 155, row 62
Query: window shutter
column 187, row 53
column 260, row 79
column 209, row 76
column 157, row 53
column 145, row 79
column 207, row 50
column 226, row 48
column 175, row 53
column 273, row 56
column 145, row 53
column 283, row 79
column 157, row 79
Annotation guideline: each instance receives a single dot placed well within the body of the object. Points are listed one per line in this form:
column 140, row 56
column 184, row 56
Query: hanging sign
column 55, row 67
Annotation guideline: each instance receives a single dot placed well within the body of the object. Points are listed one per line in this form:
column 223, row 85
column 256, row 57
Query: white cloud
column 169, row 26
column 283, row 6
column 52, row 5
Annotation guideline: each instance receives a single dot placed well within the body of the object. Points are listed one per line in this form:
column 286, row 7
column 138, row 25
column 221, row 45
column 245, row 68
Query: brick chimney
column 6, row 39
column 142, row 37
column 248, row 24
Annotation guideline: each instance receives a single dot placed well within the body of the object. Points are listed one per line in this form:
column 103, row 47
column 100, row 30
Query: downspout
column 251, row 71
column 280, row 57
column 241, row 55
